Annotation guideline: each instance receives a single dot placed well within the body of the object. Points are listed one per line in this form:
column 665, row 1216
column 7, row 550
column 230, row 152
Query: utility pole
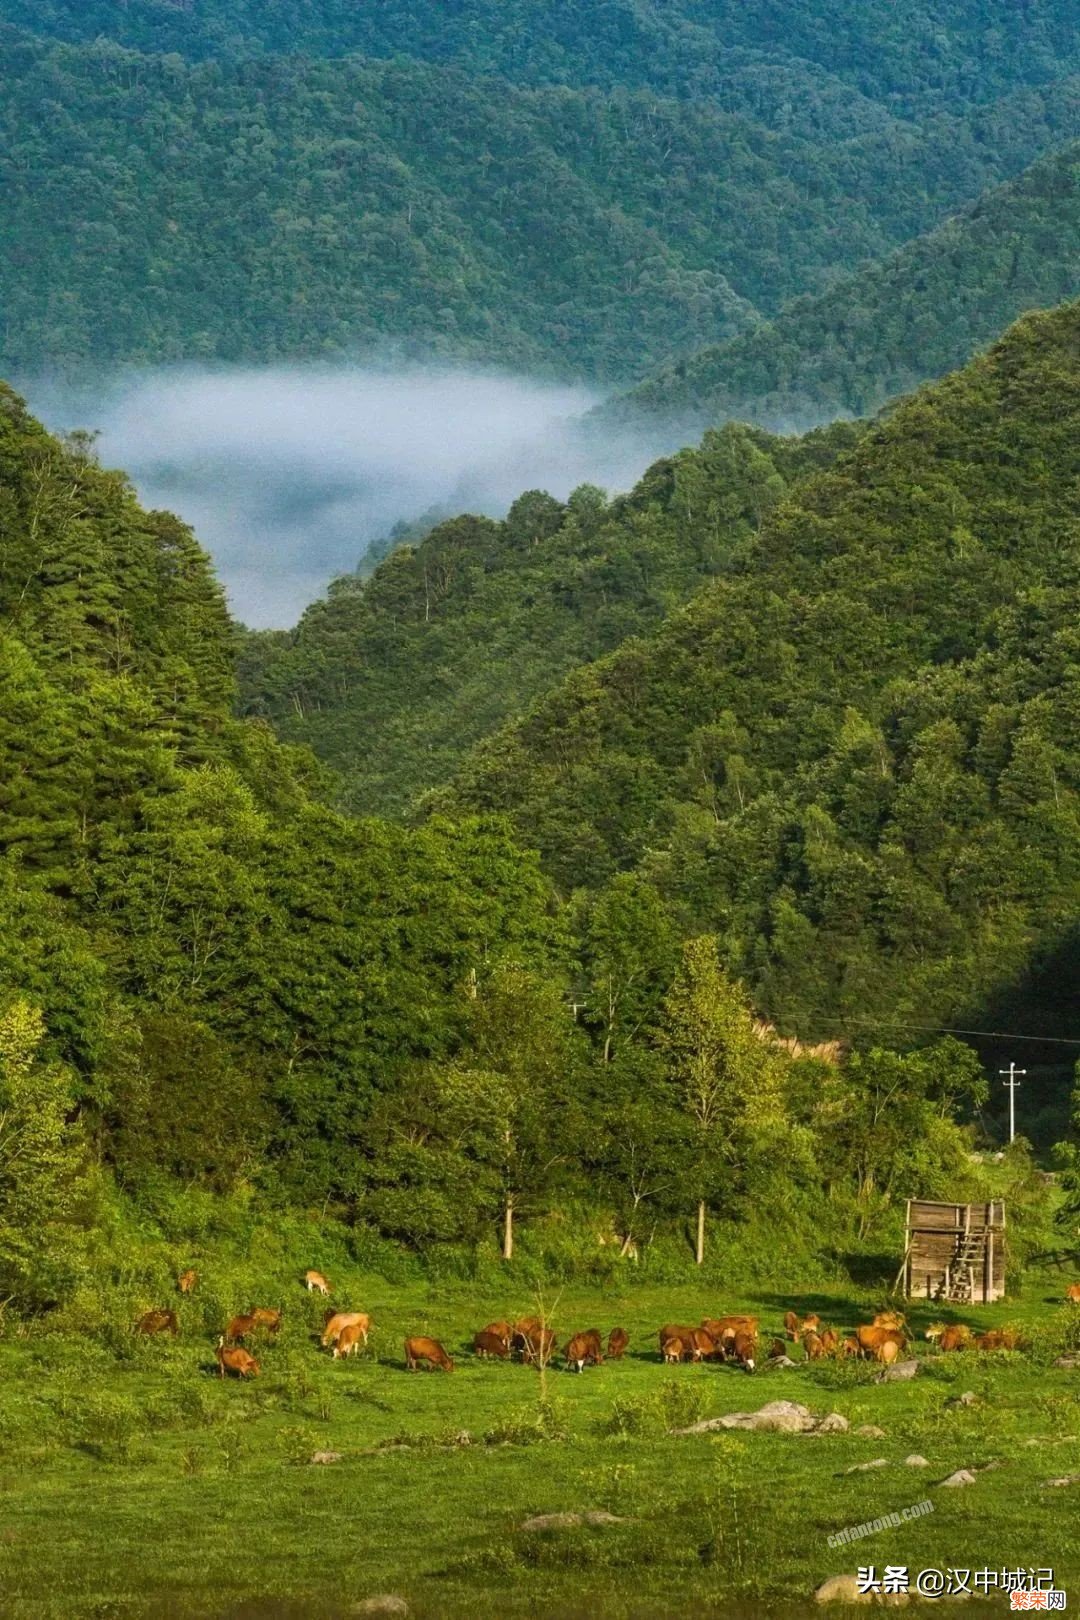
column 1012, row 1082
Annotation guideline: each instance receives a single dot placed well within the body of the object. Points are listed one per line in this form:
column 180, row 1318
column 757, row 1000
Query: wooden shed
column 954, row 1251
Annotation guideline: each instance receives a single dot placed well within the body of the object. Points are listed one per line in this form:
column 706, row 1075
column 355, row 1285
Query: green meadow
column 135, row 1482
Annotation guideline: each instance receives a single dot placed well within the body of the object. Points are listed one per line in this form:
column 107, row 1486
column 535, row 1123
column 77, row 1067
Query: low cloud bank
column 288, row 474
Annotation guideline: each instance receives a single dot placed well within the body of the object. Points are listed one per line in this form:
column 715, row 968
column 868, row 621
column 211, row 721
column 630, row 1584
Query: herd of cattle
column 734, row 1339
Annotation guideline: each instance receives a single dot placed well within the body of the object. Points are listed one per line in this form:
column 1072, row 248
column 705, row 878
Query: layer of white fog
column 289, row 474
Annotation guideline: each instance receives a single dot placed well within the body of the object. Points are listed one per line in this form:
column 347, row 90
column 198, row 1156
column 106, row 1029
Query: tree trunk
column 699, row 1252
column 508, row 1230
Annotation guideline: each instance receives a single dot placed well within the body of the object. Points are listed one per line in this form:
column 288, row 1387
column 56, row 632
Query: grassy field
column 133, row 1481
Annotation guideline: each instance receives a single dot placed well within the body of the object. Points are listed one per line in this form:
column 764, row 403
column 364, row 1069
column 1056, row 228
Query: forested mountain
column 854, row 755
column 391, row 679
column 906, row 52
column 889, row 326
column 154, row 209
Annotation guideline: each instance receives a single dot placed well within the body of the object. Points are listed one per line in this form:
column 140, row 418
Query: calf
column 829, row 1341
column 850, row 1346
column 241, row 1326
column 1072, row 1294
column 618, row 1339
column 809, row 1324
column 158, row 1322
column 791, row 1326
column 316, row 1283
column 186, row 1281
column 670, row 1331
column 236, row 1360
column 336, row 1321
column 348, row 1340
column 501, row 1330
column 538, row 1345
column 584, row 1347
column 999, row 1339
column 949, row 1336
column 265, row 1318
column 745, row 1350
column 701, row 1345
column 428, row 1350
column 487, row 1343
column 813, row 1345
column 671, row 1351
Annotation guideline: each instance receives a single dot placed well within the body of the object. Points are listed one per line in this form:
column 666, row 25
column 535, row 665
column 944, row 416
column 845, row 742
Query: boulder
column 870, row 1431
column 1071, row 1361
column 962, row 1476
column 775, row 1417
column 845, row 1589
column 381, row 1603
column 899, row 1371
column 915, row 1461
column 1066, row 1479
column 325, row 1457
column 542, row 1522
column 968, row 1398
column 861, row 1468
column 835, row 1423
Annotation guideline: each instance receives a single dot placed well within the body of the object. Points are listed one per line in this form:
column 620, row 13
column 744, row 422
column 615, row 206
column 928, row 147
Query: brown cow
column 745, row 1350
column 871, row 1338
column 1072, row 1294
column 617, row 1341
column 829, row 1341
column 670, row 1331
column 999, row 1339
column 264, row 1317
column 487, row 1343
column 890, row 1319
column 336, row 1321
column 158, row 1322
column 809, row 1324
column 777, row 1348
column 671, row 1350
column 584, row 1347
column 186, row 1281
column 429, row 1350
column 850, row 1346
column 888, row 1350
column 348, row 1340
column 701, row 1345
column 316, row 1283
column 813, row 1345
column 236, row 1361
column 949, row 1336
column 241, row 1326
column 791, row 1325
column 501, row 1330
column 538, row 1345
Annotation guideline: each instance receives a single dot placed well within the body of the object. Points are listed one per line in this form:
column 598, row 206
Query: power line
column 952, row 1029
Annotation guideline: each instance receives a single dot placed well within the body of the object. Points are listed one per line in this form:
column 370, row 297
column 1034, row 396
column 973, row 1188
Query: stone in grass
column 835, row 1423
column 1071, row 1361
column 775, row 1417
column 381, row 1603
column 1066, row 1479
column 962, row 1476
column 570, row 1521
column 968, row 1398
column 861, row 1468
column 870, row 1431
column 897, row 1373
column 915, row 1461
column 845, row 1589
column 325, row 1457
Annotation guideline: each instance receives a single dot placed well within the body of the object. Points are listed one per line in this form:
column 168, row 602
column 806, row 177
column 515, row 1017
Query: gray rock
column 962, row 1476
column 569, row 1521
column 845, row 1589
column 835, row 1423
column 899, row 1371
column 775, row 1417
column 1066, row 1479
column 780, row 1361
column 915, row 1461
column 968, row 1398
column 325, row 1457
column 1071, row 1361
column 870, row 1431
column 382, row 1603
column 861, row 1468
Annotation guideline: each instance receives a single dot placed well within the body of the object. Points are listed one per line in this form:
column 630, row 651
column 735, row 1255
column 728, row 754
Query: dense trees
column 889, row 326
column 282, row 206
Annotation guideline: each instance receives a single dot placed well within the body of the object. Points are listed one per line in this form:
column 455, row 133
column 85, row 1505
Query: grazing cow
column 829, row 1341
column 745, row 1350
column 701, row 1345
column 890, row 1319
column 791, row 1326
column 777, row 1348
column 240, row 1327
column 671, row 1351
column 348, row 1340
column 501, row 1330
column 487, row 1343
column 1072, row 1294
column 428, row 1350
column 813, row 1345
column 158, row 1322
column 617, row 1341
column 670, row 1331
column 316, row 1283
column 186, row 1281
column 999, row 1339
column 809, row 1324
column 722, row 1330
column 584, row 1347
column 949, row 1336
column 888, row 1350
column 266, row 1318
column 236, row 1360
column 850, row 1346
column 871, row 1338
column 538, row 1345
column 336, row 1321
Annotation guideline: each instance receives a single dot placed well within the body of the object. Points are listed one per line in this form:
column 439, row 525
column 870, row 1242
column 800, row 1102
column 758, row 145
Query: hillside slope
column 392, row 679
column 889, row 326
column 287, row 207
column 855, row 755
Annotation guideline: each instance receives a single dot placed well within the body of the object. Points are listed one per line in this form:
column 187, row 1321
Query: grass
column 133, row 1481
